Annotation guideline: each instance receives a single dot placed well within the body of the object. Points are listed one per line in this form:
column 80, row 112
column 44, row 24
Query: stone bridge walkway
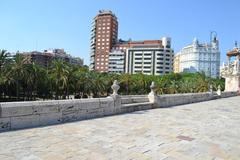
column 201, row 131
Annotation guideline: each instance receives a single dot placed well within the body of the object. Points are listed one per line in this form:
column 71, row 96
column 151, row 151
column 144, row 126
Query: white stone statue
column 231, row 73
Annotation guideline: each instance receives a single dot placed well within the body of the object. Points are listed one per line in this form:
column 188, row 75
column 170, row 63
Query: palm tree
column 17, row 71
column 3, row 57
column 31, row 78
column 203, row 82
column 126, row 81
column 97, row 85
column 60, row 77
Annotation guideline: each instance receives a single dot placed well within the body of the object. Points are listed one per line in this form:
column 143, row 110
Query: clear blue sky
column 28, row 25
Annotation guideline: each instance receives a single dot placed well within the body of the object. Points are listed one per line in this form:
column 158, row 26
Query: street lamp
column 212, row 33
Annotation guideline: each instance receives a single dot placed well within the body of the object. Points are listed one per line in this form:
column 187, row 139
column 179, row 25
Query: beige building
column 176, row 63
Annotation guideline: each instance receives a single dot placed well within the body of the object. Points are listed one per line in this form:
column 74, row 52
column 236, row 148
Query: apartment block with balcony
column 154, row 57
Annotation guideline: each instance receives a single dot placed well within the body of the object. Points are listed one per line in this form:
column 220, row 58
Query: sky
column 27, row 25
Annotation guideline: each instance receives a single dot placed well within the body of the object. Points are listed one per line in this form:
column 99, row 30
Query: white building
column 116, row 61
column 198, row 57
column 150, row 57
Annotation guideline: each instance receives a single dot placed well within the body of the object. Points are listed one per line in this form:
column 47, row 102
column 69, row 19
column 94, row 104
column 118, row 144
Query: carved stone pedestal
column 232, row 83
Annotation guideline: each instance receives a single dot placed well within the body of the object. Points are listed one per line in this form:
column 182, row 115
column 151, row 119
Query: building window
column 147, row 54
column 138, row 66
column 147, row 62
column 147, row 71
column 147, row 67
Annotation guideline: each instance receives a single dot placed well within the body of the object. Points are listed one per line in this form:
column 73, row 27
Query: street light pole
column 211, row 40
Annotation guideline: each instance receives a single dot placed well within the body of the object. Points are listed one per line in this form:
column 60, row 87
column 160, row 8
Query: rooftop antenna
column 36, row 45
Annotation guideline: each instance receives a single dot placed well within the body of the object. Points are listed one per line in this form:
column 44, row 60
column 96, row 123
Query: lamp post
column 212, row 33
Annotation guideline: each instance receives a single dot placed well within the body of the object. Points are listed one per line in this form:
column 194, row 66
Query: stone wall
column 17, row 115
column 229, row 94
column 169, row 100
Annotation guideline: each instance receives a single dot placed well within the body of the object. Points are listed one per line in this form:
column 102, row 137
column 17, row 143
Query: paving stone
column 201, row 131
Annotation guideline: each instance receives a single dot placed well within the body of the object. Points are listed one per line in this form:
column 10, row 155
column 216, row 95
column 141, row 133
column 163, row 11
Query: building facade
column 198, row 57
column 153, row 57
column 117, row 57
column 116, row 61
column 46, row 57
column 176, row 63
column 104, row 35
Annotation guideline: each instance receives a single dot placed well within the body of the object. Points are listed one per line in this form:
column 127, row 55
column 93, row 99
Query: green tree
column 59, row 74
column 17, row 72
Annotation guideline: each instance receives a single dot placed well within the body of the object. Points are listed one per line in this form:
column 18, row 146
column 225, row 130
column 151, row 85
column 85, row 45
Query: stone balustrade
column 18, row 115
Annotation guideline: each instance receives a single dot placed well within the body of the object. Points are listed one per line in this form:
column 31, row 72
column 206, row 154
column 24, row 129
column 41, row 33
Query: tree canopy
column 22, row 80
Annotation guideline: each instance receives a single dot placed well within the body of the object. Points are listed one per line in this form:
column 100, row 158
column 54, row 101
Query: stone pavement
column 201, row 131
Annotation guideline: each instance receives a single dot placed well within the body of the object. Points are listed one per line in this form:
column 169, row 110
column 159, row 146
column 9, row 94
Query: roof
column 234, row 52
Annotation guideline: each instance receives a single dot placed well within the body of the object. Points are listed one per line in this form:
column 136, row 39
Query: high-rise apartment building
column 104, row 35
column 199, row 57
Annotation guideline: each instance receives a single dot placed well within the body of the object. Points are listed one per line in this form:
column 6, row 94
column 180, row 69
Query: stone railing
column 17, row 115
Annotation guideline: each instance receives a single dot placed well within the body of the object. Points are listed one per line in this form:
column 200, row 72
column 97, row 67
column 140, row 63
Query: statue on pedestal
column 231, row 72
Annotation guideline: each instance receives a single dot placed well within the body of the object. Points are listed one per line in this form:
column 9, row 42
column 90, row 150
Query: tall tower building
column 104, row 35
